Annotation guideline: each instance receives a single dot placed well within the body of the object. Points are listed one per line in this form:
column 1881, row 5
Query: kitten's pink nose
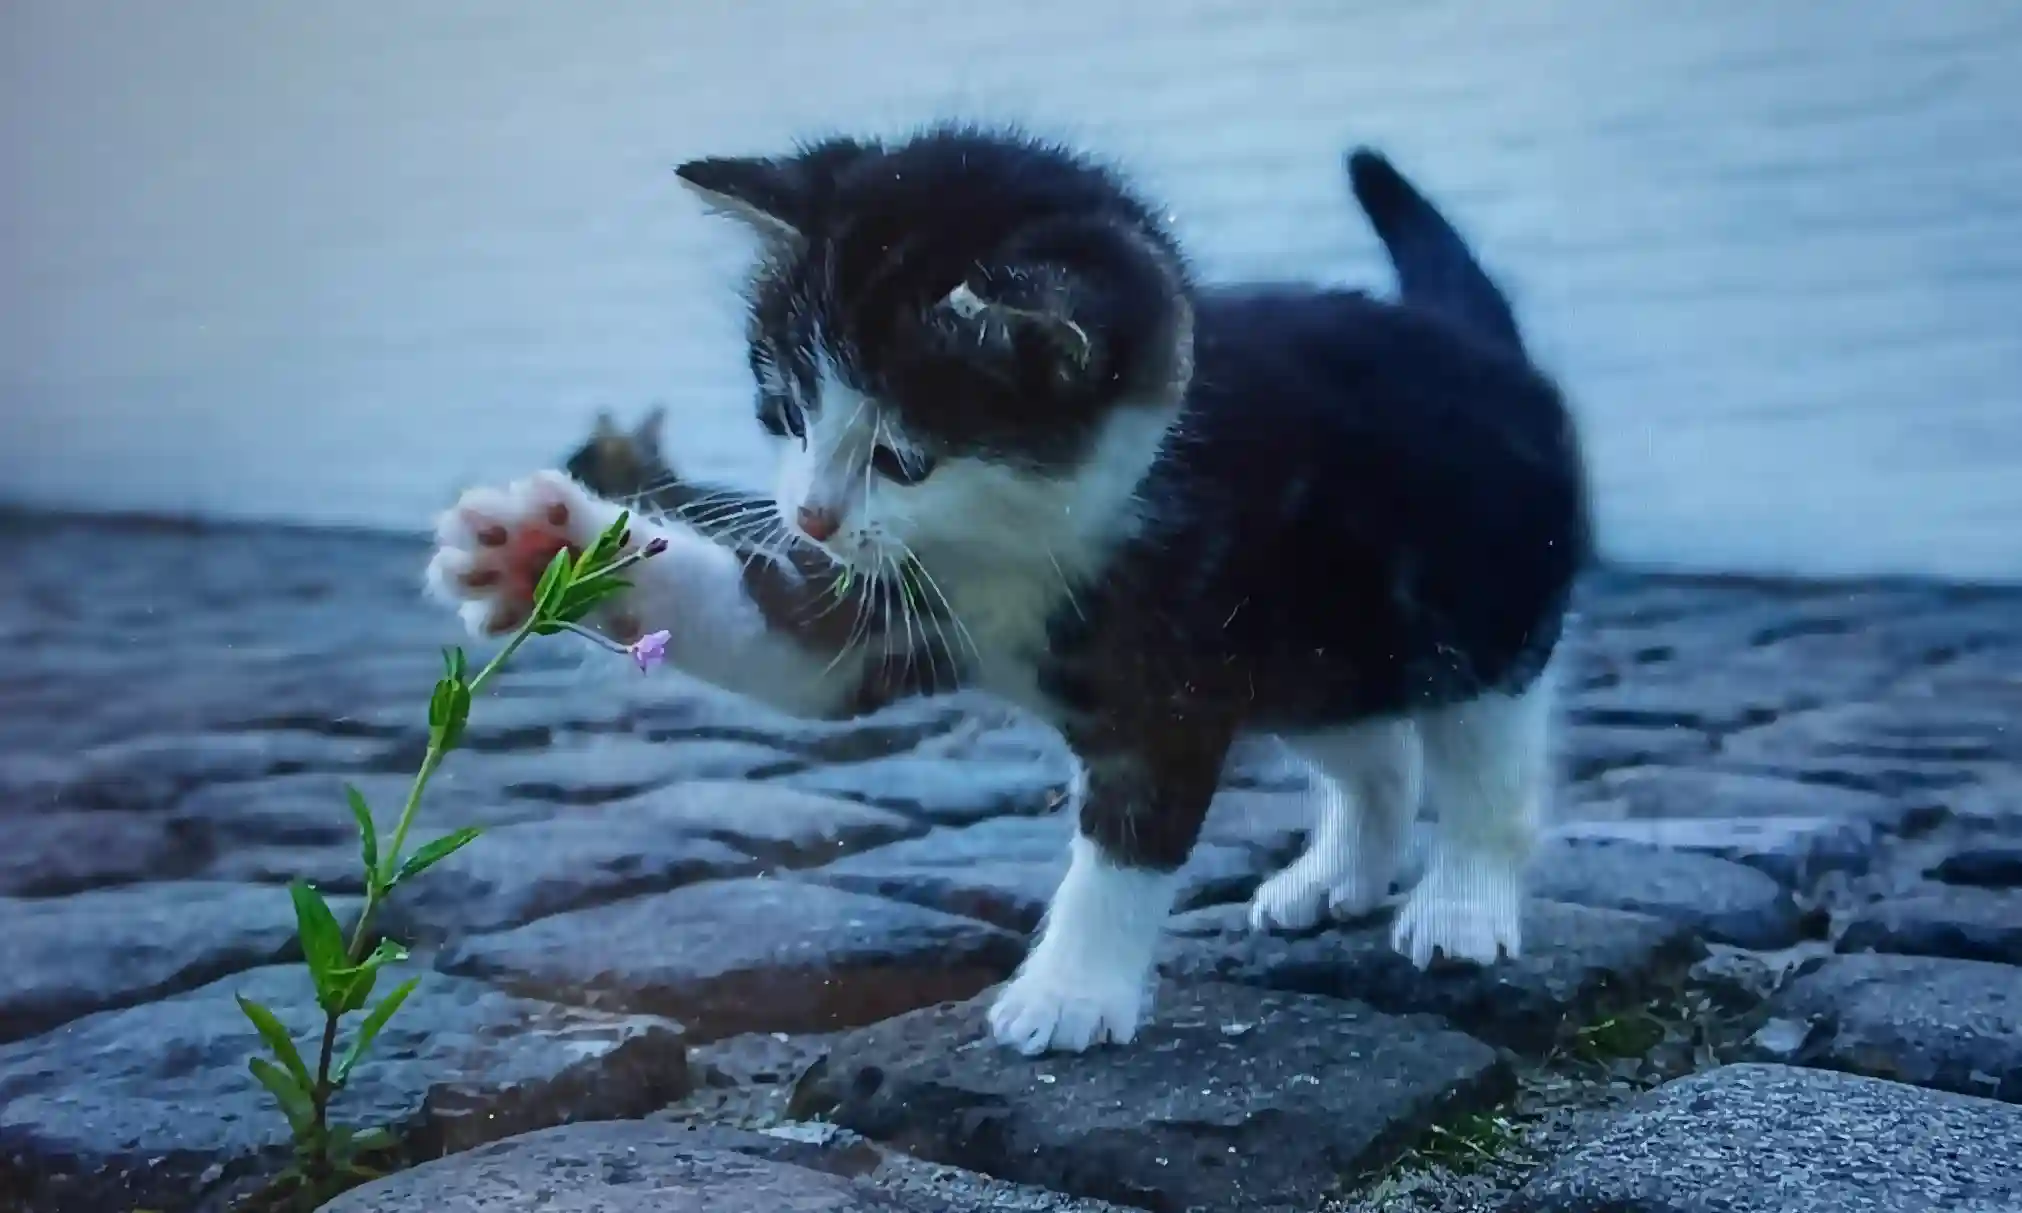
column 818, row 525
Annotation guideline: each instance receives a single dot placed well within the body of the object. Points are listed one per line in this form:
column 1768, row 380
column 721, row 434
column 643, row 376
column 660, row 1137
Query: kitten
column 1049, row 458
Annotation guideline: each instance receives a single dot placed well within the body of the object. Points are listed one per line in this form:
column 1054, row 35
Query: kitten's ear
column 1022, row 313
column 648, row 433
column 604, row 428
column 771, row 196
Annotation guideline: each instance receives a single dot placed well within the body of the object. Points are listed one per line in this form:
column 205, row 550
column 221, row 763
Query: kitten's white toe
column 1041, row 1012
column 1356, row 897
column 1470, row 912
column 1294, row 899
column 493, row 545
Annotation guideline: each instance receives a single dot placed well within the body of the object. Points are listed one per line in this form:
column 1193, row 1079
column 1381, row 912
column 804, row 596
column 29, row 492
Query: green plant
column 345, row 971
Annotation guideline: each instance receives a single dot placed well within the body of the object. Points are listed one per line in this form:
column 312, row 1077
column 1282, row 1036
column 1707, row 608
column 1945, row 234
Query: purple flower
column 649, row 650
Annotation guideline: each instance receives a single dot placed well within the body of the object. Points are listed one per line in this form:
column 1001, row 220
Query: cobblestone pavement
column 706, row 957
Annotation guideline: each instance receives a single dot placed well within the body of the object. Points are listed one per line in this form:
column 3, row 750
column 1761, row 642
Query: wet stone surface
column 1820, row 785
column 1771, row 1139
column 1578, row 963
column 757, row 955
column 65, row 957
column 1231, row 1098
column 142, row 1107
column 1955, row 1025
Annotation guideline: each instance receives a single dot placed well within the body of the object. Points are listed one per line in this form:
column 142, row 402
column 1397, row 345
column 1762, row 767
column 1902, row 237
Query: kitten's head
column 621, row 464
column 967, row 344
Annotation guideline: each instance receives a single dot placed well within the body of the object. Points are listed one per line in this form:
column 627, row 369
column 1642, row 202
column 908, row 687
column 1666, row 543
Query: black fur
column 1367, row 508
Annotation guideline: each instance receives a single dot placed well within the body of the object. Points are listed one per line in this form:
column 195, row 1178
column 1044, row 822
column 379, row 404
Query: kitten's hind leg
column 1089, row 978
column 1365, row 794
column 1486, row 771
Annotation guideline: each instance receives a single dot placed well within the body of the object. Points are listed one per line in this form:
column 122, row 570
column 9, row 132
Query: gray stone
column 1725, row 901
column 1589, row 750
column 148, row 1106
column 1988, row 864
column 334, row 867
column 152, row 772
column 777, row 825
column 520, row 873
column 1230, row 1098
column 700, row 712
column 65, row 957
column 945, row 791
column 1578, row 965
column 1772, row 1139
column 598, row 769
column 1792, row 850
column 1005, row 871
column 753, row 955
column 1900, row 747
column 622, row 1167
column 1951, row 1024
column 1942, row 920
column 1664, row 792
column 49, row 854
column 309, row 809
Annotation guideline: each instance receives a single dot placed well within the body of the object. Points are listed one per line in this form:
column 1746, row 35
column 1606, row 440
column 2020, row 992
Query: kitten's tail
column 1435, row 268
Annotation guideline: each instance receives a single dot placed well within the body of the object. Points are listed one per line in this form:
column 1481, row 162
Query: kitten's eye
column 782, row 420
column 900, row 469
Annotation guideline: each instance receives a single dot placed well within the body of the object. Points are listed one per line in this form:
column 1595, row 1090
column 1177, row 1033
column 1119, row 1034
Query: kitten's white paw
column 1294, row 899
column 1063, row 1012
column 1471, row 912
column 493, row 545
column 1357, row 896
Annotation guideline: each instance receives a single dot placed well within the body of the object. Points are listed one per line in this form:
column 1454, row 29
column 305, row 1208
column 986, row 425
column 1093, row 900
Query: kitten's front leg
column 1089, row 978
column 494, row 543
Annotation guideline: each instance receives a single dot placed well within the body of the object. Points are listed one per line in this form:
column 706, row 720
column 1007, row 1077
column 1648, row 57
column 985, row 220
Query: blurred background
column 331, row 263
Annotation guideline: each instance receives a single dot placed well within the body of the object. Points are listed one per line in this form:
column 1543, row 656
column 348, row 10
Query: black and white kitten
column 1004, row 406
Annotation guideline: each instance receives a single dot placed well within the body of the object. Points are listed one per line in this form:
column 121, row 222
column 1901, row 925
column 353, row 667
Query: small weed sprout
column 329, row 1158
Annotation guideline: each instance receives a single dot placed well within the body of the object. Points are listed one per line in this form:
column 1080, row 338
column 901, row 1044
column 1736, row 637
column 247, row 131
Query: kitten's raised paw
column 493, row 545
column 1040, row 1013
column 1477, row 920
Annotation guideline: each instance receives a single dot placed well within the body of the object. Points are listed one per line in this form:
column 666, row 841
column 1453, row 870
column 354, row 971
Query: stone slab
column 1774, row 1139
column 1230, row 1098
column 150, row 1106
column 1794, row 851
column 621, row 1167
column 1942, row 920
column 943, row 791
column 1005, row 871
column 520, row 873
column 1578, row 964
column 754, row 955
column 69, row 956
column 778, row 825
column 1724, row 901
column 1954, row 1025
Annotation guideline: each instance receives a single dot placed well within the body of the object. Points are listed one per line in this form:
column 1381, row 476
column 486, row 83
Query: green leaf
column 369, row 1031
column 448, row 712
column 606, row 547
column 548, row 593
column 367, row 1141
column 278, row 1041
column 584, row 596
column 294, row 1100
column 453, row 664
column 435, row 852
column 322, row 940
column 355, row 983
column 368, row 832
